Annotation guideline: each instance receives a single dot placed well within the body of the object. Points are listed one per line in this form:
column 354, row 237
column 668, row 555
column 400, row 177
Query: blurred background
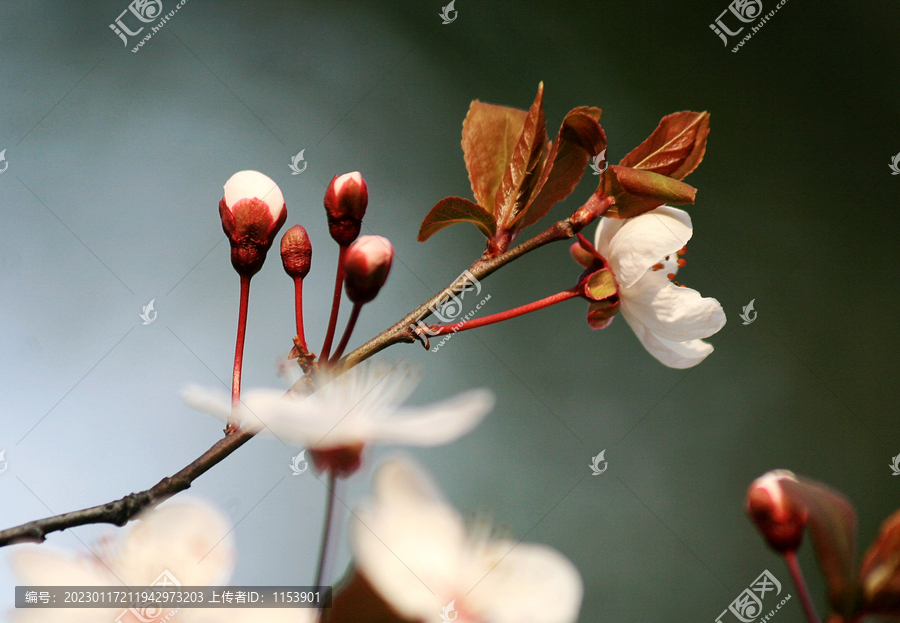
column 115, row 165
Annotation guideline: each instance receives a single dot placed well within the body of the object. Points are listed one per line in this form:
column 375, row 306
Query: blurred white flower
column 669, row 320
column 350, row 410
column 187, row 541
column 413, row 549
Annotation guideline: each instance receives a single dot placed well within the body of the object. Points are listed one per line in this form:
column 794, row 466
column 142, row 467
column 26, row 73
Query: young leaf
column 675, row 148
column 832, row 525
column 880, row 573
column 580, row 137
column 524, row 169
column 636, row 191
column 489, row 136
column 450, row 210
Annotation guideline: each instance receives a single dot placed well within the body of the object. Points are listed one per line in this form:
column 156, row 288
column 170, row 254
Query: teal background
column 116, row 166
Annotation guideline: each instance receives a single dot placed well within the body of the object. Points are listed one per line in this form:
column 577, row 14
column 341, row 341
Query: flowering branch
column 561, row 230
column 121, row 511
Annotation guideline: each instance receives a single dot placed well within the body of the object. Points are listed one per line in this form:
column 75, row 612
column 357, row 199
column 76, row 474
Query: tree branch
column 402, row 331
column 123, row 510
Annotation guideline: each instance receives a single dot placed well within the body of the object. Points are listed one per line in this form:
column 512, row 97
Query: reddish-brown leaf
column 675, row 148
column 880, row 573
column 580, row 137
column 489, row 137
column 636, row 191
column 832, row 525
column 524, row 169
column 451, row 210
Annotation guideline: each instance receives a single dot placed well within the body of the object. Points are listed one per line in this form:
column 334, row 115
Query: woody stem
column 510, row 313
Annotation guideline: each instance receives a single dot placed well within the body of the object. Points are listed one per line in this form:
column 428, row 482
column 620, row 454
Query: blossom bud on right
column 780, row 520
column 345, row 204
column 296, row 252
column 366, row 265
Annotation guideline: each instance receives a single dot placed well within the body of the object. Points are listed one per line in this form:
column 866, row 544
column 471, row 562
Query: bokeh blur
column 116, row 161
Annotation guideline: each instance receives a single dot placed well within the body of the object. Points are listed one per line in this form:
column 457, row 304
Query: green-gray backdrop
column 115, row 164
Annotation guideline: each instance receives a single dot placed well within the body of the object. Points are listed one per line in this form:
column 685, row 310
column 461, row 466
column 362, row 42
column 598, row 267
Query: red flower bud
column 780, row 520
column 367, row 264
column 296, row 252
column 345, row 204
column 252, row 212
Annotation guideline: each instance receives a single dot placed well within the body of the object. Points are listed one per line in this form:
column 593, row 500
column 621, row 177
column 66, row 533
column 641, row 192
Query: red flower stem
column 335, row 305
column 351, row 324
column 329, row 531
column 239, row 345
column 298, row 310
column 510, row 313
column 797, row 575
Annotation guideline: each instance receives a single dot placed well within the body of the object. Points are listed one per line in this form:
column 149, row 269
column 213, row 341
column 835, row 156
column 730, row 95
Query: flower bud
column 583, row 257
column 780, row 520
column 345, row 203
column 367, row 264
column 296, row 252
column 252, row 212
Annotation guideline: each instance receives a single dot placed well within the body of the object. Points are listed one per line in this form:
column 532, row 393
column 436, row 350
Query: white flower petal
column 435, row 424
column 250, row 184
column 408, row 543
column 189, row 539
column 606, row 229
column 217, row 402
column 673, row 354
column 42, row 565
column 646, row 239
column 530, row 584
column 672, row 312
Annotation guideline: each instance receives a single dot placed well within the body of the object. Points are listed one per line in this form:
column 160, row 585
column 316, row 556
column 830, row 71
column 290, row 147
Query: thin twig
column 123, row 510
